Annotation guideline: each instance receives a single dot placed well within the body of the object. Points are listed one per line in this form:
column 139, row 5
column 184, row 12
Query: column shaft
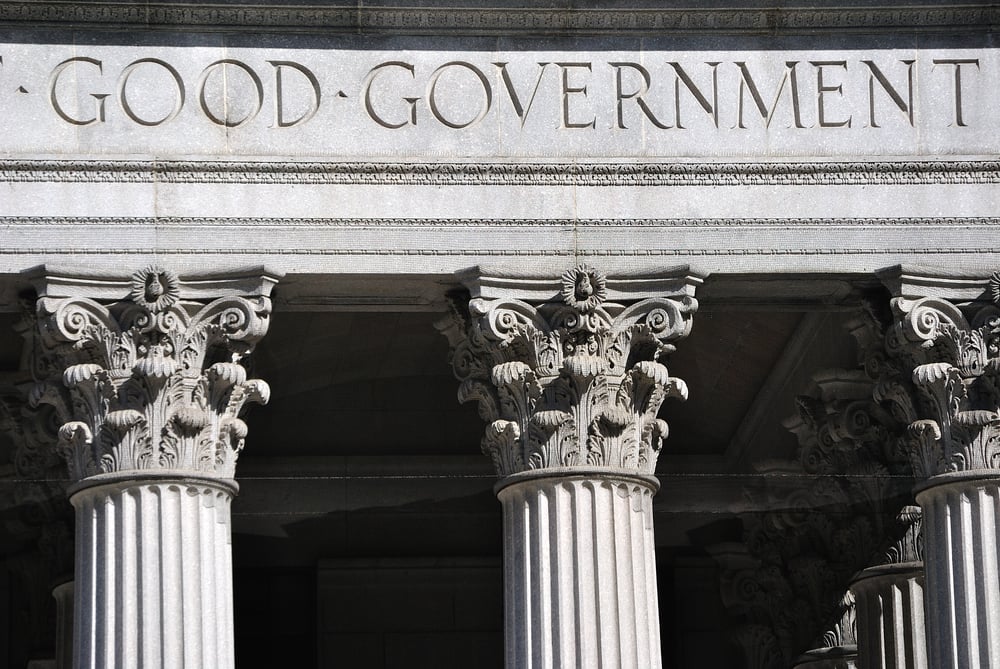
column 890, row 615
column 963, row 580
column 63, row 594
column 153, row 576
column 580, row 574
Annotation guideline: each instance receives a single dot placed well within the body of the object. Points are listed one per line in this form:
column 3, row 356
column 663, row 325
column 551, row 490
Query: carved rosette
column 575, row 382
column 955, row 362
column 151, row 382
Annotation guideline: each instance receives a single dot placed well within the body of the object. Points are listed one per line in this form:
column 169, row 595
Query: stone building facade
column 716, row 285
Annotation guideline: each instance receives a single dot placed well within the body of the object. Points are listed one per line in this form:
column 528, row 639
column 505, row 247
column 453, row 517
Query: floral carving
column 845, row 632
column 584, row 288
column 154, row 288
column 578, row 382
column 910, row 545
column 954, row 355
column 149, row 383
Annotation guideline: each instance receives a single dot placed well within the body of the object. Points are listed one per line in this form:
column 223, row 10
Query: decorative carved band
column 828, row 173
column 423, row 20
column 576, row 381
column 151, row 382
column 376, row 223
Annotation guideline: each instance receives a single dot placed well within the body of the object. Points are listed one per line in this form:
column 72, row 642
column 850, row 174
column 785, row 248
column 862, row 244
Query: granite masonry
column 459, row 334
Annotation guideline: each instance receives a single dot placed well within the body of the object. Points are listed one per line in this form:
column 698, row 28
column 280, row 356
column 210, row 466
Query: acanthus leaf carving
column 954, row 354
column 909, row 547
column 151, row 382
column 575, row 381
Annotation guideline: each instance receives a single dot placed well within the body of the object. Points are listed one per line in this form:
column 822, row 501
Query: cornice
column 451, row 19
column 246, row 251
column 786, row 173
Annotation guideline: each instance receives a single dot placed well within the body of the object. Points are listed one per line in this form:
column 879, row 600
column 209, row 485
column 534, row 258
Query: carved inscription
column 662, row 102
column 229, row 92
column 460, row 94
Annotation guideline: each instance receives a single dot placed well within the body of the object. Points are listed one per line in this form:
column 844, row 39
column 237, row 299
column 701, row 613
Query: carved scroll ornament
column 575, row 382
column 955, row 362
column 151, row 382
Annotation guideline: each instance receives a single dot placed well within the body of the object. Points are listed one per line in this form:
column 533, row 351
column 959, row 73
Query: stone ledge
column 643, row 20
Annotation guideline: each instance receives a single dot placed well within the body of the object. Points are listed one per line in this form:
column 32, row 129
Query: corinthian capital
column 145, row 373
column 947, row 332
column 569, row 372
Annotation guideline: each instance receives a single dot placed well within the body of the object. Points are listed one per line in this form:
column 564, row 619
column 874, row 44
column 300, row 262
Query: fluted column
column 569, row 376
column 890, row 604
column 950, row 343
column 148, row 385
column 63, row 594
column 580, row 571
column 962, row 517
column 155, row 574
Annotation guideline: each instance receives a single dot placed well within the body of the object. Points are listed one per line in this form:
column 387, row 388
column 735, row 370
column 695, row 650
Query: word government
column 560, row 94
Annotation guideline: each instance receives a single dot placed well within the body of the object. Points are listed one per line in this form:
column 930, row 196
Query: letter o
column 432, row 101
column 123, row 97
column 258, row 86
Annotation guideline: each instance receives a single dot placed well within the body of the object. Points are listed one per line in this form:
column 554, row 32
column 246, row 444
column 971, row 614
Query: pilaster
column 146, row 379
column 569, row 375
column 947, row 333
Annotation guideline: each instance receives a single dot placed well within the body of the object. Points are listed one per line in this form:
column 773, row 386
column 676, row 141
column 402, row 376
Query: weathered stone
column 576, row 381
column 947, row 332
column 890, row 603
column 147, row 383
column 570, row 382
column 150, row 385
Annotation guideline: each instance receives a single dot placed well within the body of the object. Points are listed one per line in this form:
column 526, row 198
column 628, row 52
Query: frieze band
column 505, row 174
column 376, row 223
